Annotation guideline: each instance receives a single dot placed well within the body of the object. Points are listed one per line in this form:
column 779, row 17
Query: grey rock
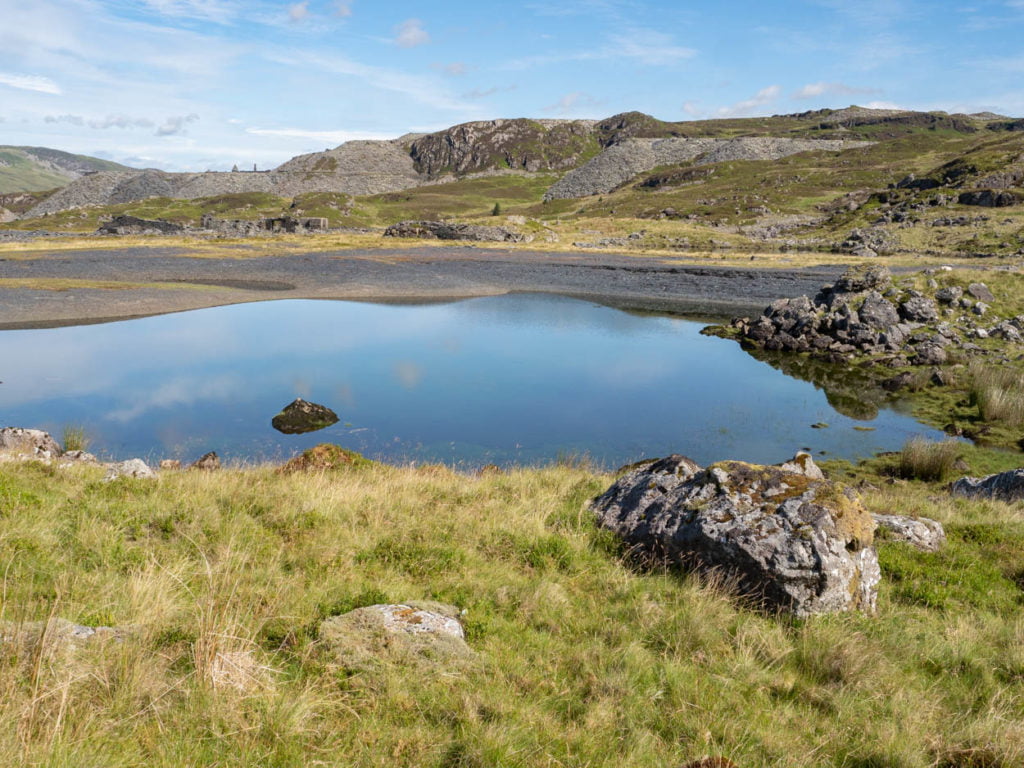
column 864, row 278
column 793, row 541
column 1004, row 486
column 949, row 295
column 878, row 312
column 59, row 638
column 207, row 462
column 929, row 353
column 981, row 292
column 988, row 198
column 411, row 633
column 919, row 309
column 18, row 442
column 980, row 308
column 920, row 532
column 136, row 468
column 132, row 225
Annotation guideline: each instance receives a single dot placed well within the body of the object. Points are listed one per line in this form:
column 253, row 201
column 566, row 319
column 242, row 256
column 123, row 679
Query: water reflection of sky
column 518, row 378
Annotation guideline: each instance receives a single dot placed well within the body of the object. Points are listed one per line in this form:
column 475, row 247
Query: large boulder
column 1004, row 486
column 411, row 633
column 300, row 416
column 864, row 277
column 135, row 468
column 17, row 442
column 792, row 540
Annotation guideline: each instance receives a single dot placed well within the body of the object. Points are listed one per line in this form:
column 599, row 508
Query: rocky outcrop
column 410, row 634
column 20, row 443
column 624, row 161
column 792, row 540
column 864, row 313
column 208, row 462
column 443, row 230
column 919, row 532
column 520, row 144
column 300, row 416
column 1004, row 486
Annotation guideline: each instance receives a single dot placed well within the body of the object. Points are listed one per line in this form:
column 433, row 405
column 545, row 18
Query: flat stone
column 920, row 532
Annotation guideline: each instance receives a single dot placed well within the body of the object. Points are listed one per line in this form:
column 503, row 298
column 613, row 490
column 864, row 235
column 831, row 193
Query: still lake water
column 510, row 379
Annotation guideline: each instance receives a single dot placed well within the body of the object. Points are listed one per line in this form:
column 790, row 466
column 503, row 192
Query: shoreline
column 63, row 288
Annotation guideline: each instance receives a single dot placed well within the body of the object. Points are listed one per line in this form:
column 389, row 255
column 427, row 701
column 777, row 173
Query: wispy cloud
column 815, row 90
column 572, row 103
column 329, row 137
column 343, row 8
column 644, row 46
column 220, row 11
column 176, row 126
column 410, row 33
column 743, row 108
column 298, row 11
column 30, row 83
column 478, row 93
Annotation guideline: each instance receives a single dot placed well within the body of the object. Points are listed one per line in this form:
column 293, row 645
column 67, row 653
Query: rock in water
column 1005, row 486
column 300, row 416
column 793, row 540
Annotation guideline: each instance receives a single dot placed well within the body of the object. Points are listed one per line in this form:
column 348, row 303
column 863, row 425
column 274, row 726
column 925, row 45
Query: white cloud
column 298, row 11
column 455, row 69
column 343, row 8
column 645, row 46
column 120, row 121
column 571, row 103
column 410, row 33
column 743, row 108
column 220, row 11
column 30, row 83
column 477, row 93
column 649, row 47
column 882, row 105
column 175, row 126
column 328, row 137
column 814, row 90
column 692, row 109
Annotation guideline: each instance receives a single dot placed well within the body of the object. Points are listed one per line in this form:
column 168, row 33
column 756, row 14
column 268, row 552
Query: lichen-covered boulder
column 410, row 633
column 20, row 443
column 792, row 540
column 136, row 468
column 300, row 416
column 919, row 532
column 1004, row 486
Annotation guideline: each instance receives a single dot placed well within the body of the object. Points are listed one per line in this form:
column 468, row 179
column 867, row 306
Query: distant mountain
column 33, row 169
column 593, row 157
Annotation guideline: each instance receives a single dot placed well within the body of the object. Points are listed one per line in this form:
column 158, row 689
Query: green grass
column 580, row 659
column 923, row 459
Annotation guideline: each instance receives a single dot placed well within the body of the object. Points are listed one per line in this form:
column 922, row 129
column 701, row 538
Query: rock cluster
column 864, row 313
column 792, row 540
column 132, row 225
column 442, row 230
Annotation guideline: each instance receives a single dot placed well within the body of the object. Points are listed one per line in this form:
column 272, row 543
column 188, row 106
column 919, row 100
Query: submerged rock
column 411, row 632
column 1004, row 486
column 300, row 416
column 793, row 540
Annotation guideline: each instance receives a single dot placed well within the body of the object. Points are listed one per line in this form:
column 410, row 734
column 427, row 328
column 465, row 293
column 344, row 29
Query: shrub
column 922, row 459
column 74, row 438
column 496, row 210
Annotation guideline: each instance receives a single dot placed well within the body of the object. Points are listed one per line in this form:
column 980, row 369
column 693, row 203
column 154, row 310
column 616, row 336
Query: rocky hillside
column 596, row 156
column 32, row 169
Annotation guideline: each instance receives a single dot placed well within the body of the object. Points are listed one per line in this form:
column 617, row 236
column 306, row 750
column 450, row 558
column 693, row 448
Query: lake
column 515, row 379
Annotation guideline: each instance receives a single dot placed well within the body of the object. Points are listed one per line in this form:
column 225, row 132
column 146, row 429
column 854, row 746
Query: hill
column 33, row 169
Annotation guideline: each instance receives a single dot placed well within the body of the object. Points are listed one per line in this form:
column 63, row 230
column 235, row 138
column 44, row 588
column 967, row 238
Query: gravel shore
column 148, row 281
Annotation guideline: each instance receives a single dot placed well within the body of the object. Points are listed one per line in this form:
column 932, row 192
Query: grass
column 998, row 392
column 580, row 660
column 74, row 438
column 923, row 459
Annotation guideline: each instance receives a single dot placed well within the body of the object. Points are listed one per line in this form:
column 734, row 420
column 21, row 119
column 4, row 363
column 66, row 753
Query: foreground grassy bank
column 580, row 659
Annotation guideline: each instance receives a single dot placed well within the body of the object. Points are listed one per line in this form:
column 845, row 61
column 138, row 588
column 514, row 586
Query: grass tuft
column 923, row 459
column 998, row 393
column 74, row 438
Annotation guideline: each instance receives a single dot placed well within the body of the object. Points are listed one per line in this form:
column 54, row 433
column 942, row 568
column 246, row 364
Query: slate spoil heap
column 865, row 314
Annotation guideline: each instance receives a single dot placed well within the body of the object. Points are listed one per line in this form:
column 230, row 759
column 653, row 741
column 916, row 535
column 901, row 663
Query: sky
column 207, row 84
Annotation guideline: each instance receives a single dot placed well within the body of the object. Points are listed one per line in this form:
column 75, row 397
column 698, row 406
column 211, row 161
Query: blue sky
column 197, row 84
